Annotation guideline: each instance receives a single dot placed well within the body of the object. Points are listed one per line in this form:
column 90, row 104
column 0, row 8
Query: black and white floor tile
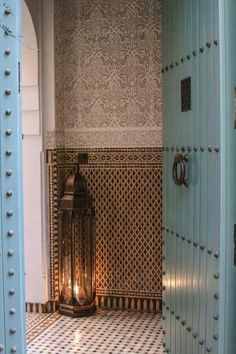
column 107, row 332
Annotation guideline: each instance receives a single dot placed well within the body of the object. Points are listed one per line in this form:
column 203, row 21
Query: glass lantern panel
column 66, row 276
column 84, row 259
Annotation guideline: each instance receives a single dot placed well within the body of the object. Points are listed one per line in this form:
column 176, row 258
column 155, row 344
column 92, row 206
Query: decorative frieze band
column 149, row 137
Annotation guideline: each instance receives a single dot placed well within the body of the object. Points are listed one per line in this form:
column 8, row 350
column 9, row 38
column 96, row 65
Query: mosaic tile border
column 132, row 157
column 41, row 326
column 48, row 307
column 34, row 319
column 129, row 302
column 51, row 158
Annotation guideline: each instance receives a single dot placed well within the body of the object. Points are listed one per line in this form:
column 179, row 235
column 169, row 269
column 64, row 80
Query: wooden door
column 192, row 176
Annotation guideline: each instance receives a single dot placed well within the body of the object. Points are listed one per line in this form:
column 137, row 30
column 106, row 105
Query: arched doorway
column 34, row 235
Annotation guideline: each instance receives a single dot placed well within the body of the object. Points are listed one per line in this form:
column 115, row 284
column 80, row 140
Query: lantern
column 77, row 247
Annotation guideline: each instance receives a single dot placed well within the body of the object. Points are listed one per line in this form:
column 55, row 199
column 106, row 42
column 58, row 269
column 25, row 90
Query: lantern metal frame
column 77, row 247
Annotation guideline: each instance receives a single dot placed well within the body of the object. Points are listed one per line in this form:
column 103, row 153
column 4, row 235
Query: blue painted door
column 12, row 315
column 199, row 76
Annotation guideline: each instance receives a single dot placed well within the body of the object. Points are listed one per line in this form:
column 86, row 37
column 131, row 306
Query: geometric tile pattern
column 49, row 306
column 126, row 186
column 38, row 323
column 127, row 211
column 53, row 224
column 106, row 332
column 33, row 319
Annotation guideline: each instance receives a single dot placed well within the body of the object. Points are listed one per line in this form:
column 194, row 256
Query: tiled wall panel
column 126, row 185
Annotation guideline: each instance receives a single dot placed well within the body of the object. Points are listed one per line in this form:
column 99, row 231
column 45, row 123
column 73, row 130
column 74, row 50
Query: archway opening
column 35, row 266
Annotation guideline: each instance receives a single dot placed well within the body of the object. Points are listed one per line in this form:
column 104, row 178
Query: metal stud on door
column 12, row 309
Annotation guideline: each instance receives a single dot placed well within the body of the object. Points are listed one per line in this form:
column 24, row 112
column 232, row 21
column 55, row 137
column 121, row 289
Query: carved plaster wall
column 108, row 74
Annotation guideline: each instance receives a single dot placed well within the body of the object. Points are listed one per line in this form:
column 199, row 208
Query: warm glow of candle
column 76, row 289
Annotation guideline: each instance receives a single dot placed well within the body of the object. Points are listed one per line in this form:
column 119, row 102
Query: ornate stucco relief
column 101, row 138
column 108, row 73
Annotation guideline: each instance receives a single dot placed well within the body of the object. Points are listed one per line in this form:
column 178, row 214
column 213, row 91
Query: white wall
column 35, row 263
column 47, row 61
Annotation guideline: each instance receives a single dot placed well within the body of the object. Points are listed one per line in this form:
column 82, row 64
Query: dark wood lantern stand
column 77, row 247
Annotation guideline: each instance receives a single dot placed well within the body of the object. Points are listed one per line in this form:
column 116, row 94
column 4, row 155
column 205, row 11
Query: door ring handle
column 179, row 170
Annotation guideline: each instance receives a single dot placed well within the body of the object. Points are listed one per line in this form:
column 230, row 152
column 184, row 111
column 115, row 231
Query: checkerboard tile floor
column 108, row 332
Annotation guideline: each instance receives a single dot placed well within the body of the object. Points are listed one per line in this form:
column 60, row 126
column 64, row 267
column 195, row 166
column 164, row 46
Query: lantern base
column 77, row 311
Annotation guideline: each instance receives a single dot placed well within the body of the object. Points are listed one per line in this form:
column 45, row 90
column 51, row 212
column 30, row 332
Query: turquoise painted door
column 199, row 76
column 12, row 316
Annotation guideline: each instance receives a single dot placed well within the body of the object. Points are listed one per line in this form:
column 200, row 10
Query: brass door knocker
column 179, row 170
